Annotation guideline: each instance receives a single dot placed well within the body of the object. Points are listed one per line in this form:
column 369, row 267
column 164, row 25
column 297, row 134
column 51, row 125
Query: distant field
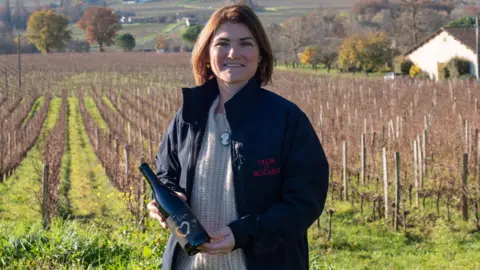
column 216, row 3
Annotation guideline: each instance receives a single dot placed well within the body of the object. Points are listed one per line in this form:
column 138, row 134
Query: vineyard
column 404, row 158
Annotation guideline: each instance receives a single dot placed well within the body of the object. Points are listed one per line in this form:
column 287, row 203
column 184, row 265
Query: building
column 442, row 46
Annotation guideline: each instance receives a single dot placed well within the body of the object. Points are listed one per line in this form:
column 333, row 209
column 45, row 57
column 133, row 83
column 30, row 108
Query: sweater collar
column 198, row 100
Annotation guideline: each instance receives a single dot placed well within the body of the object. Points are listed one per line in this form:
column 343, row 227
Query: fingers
column 222, row 242
column 222, row 247
column 152, row 205
column 221, row 233
column 154, row 213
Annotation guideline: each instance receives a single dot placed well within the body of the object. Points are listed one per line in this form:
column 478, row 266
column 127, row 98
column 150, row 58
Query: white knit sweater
column 213, row 196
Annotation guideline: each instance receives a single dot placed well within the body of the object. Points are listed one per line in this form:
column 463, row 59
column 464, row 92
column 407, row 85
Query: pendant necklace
column 225, row 136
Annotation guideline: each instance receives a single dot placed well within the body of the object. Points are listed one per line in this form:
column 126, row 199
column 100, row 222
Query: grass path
column 36, row 106
column 18, row 194
column 90, row 194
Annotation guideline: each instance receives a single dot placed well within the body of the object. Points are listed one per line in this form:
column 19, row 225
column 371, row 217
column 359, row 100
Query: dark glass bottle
column 179, row 217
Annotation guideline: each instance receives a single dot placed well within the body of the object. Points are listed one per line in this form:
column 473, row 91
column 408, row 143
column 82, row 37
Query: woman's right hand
column 155, row 213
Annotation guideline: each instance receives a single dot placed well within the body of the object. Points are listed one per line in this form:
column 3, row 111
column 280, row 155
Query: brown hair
column 232, row 14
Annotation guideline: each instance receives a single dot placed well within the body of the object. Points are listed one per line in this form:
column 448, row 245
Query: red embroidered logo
column 267, row 170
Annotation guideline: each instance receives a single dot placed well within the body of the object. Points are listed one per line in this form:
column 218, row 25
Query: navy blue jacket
column 280, row 170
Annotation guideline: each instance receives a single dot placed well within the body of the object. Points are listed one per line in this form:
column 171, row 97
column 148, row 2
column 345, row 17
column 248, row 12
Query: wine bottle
column 179, row 217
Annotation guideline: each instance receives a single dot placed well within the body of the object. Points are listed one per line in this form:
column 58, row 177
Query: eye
column 221, row 44
column 246, row 43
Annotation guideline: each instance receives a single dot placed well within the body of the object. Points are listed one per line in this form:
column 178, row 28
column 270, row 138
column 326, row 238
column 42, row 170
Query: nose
column 233, row 52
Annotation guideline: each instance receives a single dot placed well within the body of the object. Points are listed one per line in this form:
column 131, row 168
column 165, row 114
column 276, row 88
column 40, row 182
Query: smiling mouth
column 233, row 65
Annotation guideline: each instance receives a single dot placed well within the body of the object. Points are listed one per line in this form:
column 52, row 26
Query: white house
column 442, row 46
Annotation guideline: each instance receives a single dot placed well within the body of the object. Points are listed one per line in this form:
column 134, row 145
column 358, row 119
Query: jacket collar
column 197, row 102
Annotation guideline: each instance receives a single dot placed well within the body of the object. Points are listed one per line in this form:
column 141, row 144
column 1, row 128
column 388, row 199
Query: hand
column 155, row 213
column 222, row 242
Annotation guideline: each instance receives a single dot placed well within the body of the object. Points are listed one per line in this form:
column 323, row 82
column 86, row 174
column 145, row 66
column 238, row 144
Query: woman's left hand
column 221, row 242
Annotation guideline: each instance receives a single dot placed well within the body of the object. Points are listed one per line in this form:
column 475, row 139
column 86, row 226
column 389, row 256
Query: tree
column 377, row 52
column 274, row 33
column 370, row 52
column 5, row 14
column 100, row 26
column 467, row 21
column 48, row 30
column 126, row 42
column 328, row 57
column 20, row 15
column 162, row 42
column 350, row 55
column 191, row 34
column 470, row 10
column 298, row 32
column 311, row 56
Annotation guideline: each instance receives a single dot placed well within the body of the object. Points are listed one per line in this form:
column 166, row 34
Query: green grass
column 36, row 106
column 333, row 72
column 109, row 104
column 19, row 193
column 77, row 245
column 91, row 194
column 99, row 231
column 361, row 244
column 93, row 110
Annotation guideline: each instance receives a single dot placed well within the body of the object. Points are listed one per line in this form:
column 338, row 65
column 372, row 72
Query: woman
column 248, row 161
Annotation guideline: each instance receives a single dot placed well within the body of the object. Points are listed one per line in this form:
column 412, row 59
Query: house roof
column 464, row 35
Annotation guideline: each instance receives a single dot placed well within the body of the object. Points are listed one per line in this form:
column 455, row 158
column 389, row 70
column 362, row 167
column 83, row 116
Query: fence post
column 141, row 141
column 9, row 153
column 397, row 188
column 127, row 160
column 142, row 199
column 415, row 171
column 424, row 153
column 363, row 155
column 464, row 187
column 115, row 144
column 97, row 139
column 6, row 80
column 385, row 183
column 345, row 176
column 45, row 219
column 419, row 159
column 129, row 134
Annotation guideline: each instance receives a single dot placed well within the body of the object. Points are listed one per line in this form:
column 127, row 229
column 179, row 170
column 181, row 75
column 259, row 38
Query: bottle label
column 183, row 226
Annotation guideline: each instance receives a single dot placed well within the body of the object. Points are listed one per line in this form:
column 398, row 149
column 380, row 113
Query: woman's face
column 234, row 53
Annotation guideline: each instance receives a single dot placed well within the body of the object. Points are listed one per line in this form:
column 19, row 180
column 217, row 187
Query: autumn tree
column 311, row 56
column 100, row 26
column 48, row 30
column 377, row 53
column 162, row 42
column 350, row 54
column 370, row 52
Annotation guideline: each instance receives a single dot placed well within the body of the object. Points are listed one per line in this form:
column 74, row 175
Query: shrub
column 126, row 42
column 415, row 71
column 457, row 67
column 403, row 65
